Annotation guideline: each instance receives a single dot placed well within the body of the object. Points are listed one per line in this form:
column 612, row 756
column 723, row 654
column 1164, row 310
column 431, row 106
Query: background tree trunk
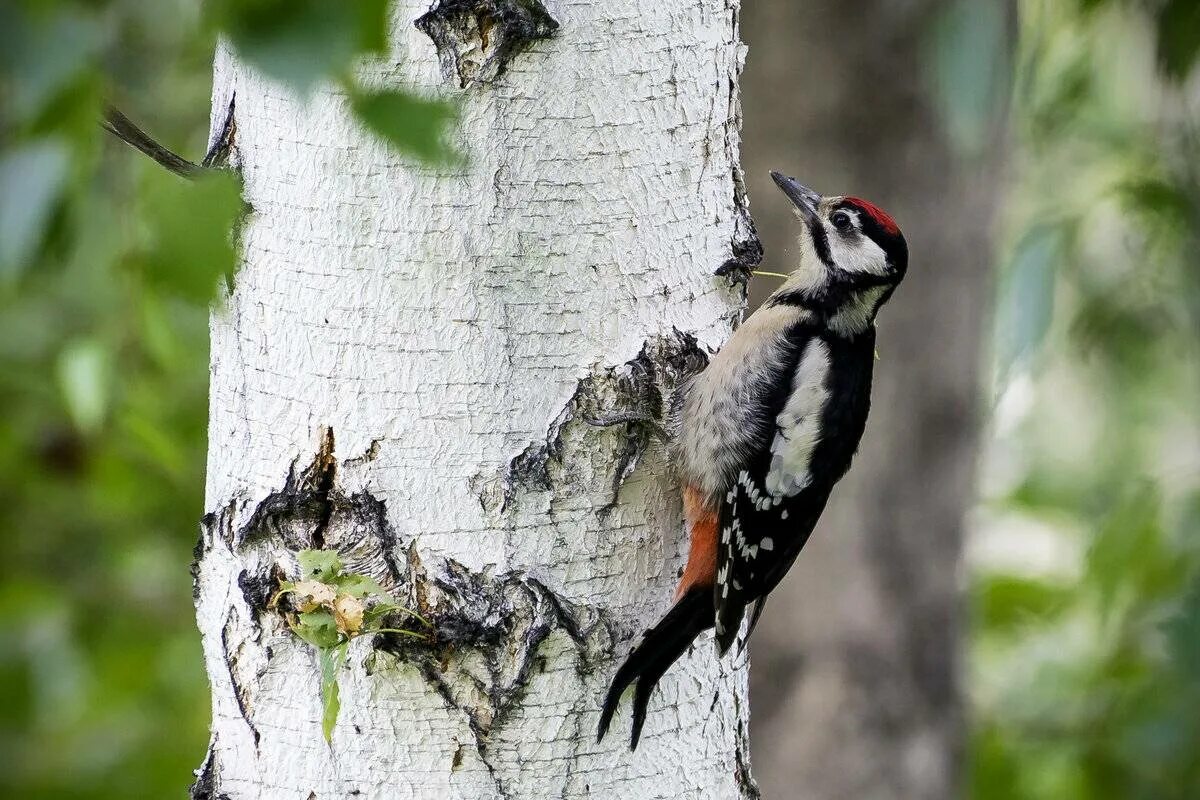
column 856, row 685
column 401, row 373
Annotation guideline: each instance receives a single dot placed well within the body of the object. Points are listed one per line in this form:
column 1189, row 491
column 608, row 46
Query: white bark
column 450, row 328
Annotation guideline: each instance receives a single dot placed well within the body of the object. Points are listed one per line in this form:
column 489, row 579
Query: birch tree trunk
column 402, row 373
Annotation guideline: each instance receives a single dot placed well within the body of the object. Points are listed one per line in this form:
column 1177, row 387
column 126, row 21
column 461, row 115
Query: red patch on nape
column 876, row 213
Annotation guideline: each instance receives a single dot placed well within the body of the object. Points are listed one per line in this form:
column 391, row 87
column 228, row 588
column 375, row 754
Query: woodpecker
column 762, row 434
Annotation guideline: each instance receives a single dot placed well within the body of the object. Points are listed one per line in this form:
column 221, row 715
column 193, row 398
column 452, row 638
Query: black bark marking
column 222, row 146
column 320, row 476
column 741, row 772
column 240, row 692
column 475, row 39
column 206, row 784
column 311, row 511
column 372, row 452
column 745, row 246
column 497, row 622
column 257, row 589
column 747, row 252
column 486, row 631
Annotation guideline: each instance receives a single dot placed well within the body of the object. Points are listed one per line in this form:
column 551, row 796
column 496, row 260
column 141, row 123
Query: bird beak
column 805, row 199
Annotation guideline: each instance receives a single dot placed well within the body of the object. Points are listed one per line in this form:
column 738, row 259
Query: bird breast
column 723, row 417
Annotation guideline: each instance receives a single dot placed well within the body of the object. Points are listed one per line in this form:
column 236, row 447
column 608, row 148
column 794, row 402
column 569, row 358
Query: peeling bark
column 636, row 390
column 405, row 372
column 475, row 39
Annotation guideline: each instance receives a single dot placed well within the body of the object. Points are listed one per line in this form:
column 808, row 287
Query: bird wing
column 773, row 504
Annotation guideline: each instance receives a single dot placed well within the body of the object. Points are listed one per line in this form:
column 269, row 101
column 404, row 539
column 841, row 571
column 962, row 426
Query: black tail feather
column 729, row 622
column 661, row 646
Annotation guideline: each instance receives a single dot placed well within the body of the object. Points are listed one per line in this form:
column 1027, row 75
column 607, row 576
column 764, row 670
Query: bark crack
column 741, row 753
column 311, row 511
column 490, row 625
column 746, row 247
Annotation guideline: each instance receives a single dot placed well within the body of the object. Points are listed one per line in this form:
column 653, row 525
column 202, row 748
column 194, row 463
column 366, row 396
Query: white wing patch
column 798, row 425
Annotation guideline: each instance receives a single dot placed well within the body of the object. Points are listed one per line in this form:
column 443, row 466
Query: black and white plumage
column 777, row 497
column 763, row 434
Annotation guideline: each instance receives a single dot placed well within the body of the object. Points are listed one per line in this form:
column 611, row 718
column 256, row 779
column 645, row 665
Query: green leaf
column 1008, row 603
column 191, row 225
column 1157, row 199
column 994, row 768
column 321, row 565
column 84, row 376
column 409, row 123
column 317, row 628
column 32, row 178
column 1128, row 554
column 376, row 614
column 1178, row 37
column 330, row 660
column 1183, row 635
column 1026, row 304
column 48, row 49
column 971, row 69
column 358, row 586
column 300, row 42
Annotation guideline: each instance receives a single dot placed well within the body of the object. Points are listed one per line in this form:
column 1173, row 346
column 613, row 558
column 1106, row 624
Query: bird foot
column 630, row 418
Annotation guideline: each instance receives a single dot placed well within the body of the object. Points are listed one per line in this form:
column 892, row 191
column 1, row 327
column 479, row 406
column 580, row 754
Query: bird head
column 851, row 252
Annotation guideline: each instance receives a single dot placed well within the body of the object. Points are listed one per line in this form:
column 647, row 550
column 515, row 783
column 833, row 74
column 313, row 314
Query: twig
column 124, row 129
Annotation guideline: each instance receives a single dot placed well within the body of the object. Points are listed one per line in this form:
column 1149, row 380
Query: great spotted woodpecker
column 760, row 437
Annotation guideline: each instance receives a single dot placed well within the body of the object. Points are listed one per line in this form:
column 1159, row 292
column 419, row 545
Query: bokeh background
column 1004, row 601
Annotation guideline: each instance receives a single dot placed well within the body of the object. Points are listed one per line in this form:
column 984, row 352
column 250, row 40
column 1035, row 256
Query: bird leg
column 630, row 418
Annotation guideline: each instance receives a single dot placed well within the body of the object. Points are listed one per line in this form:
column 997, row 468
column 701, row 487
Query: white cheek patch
column 857, row 253
column 799, row 424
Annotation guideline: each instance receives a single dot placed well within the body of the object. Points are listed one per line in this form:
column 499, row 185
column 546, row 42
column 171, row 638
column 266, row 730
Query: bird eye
column 841, row 220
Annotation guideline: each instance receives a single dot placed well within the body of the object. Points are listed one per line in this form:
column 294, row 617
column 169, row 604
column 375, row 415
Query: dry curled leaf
column 348, row 614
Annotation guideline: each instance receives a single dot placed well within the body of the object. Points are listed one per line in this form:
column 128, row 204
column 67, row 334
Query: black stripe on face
column 820, row 240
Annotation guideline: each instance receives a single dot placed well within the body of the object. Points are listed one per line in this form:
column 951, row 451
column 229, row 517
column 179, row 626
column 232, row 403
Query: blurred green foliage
column 1085, row 664
column 107, row 266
